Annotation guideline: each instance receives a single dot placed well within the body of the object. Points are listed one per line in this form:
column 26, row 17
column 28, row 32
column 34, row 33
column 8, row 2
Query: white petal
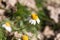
column 3, row 25
column 30, row 20
column 33, row 22
column 38, row 21
column 8, row 29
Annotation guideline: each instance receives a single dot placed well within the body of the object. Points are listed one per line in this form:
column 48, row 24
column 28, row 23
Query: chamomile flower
column 7, row 26
column 34, row 18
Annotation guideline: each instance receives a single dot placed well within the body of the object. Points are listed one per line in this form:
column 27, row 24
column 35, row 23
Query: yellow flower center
column 34, row 16
column 7, row 24
column 24, row 37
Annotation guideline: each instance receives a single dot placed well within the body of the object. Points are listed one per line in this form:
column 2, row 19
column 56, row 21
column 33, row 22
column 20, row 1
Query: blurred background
column 18, row 20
